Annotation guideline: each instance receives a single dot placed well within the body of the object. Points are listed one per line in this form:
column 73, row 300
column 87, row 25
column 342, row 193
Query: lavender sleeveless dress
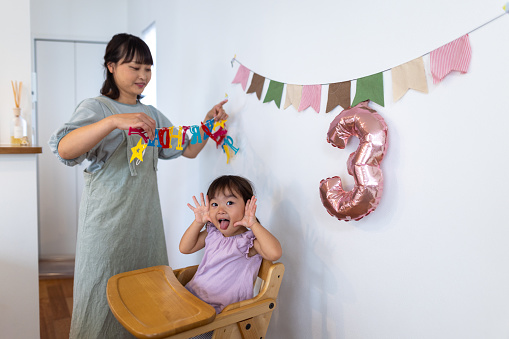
column 226, row 273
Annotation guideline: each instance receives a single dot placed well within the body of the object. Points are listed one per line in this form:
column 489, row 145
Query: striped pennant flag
column 455, row 56
column 241, row 77
column 311, row 96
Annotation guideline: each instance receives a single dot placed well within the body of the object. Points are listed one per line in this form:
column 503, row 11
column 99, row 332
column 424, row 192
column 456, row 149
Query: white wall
column 16, row 52
column 430, row 262
column 78, row 19
column 18, row 205
column 18, row 173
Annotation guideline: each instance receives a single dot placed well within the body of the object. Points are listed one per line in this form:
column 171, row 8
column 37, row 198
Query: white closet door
column 89, row 80
column 67, row 72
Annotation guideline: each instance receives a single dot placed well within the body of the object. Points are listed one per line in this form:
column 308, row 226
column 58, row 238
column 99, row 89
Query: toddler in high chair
column 234, row 240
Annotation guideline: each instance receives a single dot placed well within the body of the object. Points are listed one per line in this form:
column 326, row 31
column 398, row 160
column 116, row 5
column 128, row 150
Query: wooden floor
column 55, row 305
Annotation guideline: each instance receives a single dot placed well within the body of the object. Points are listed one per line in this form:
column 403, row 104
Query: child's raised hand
column 201, row 211
column 249, row 214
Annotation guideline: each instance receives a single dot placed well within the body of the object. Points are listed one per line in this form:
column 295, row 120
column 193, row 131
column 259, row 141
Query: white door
column 67, row 73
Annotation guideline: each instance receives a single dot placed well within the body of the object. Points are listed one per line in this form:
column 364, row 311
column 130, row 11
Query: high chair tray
column 151, row 302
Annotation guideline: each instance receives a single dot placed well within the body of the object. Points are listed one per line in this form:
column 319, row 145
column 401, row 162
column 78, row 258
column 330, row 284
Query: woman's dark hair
column 232, row 183
column 126, row 48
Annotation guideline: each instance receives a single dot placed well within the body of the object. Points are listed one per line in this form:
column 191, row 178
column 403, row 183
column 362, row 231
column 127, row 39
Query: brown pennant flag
column 339, row 94
column 256, row 85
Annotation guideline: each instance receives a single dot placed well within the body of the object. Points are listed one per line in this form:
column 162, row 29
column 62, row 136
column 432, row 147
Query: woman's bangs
column 139, row 53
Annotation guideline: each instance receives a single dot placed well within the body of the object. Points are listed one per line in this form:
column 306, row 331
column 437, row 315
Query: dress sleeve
column 89, row 111
column 211, row 229
column 163, row 121
column 245, row 242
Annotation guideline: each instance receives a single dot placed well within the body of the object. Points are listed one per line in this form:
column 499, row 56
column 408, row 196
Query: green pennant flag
column 274, row 92
column 370, row 88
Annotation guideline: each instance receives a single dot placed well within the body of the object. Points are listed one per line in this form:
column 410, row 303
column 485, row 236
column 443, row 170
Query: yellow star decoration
column 219, row 123
column 138, row 151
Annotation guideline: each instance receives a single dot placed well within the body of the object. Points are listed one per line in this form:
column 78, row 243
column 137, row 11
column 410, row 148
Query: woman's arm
column 83, row 139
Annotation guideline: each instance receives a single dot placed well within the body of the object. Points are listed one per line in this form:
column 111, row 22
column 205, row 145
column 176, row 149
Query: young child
column 235, row 242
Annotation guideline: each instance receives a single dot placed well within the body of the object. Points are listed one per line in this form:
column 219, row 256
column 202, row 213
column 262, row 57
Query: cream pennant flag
column 293, row 96
column 410, row 75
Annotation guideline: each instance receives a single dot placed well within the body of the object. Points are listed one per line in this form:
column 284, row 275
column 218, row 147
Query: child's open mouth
column 224, row 223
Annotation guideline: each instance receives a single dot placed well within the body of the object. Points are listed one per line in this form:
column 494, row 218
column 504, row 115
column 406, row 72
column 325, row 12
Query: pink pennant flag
column 311, row 96
column 241, row 77
column 455, row 56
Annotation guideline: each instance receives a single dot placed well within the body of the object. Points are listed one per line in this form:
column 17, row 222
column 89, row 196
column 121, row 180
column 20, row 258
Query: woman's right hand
column 201, row 211
column 136, row 120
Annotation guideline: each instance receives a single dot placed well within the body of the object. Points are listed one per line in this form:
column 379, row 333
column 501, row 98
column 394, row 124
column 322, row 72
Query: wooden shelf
column 8, row 149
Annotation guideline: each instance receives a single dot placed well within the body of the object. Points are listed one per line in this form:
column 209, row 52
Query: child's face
column 226, row 208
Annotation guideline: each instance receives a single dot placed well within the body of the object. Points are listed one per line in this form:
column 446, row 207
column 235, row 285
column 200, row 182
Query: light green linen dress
column 120, row 229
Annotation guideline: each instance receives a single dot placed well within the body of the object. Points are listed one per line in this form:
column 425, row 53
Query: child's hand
column 201, row 211
column 249, row 214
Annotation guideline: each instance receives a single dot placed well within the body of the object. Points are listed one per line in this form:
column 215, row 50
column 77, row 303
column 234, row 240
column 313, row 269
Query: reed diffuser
column 18, row 125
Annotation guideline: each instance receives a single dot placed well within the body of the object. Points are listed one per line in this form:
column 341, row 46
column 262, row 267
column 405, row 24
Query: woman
column 120, row 224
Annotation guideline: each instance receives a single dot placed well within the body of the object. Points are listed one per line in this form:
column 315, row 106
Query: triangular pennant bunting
column 293, row 96
column 274, row 92
column 408, row 76
column 339, row 94
column 455, row 56
column 311, row 96
column 256, row 85
column 242, row 77
column 370, row 88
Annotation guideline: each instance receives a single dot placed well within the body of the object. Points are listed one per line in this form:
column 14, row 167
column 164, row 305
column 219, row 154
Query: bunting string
column 453, row 56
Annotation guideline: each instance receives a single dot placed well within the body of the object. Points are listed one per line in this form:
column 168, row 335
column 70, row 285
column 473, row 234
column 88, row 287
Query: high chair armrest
column 269, row 289
column 184, row 275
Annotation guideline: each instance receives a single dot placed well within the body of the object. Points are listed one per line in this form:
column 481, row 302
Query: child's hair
column 125, row 47
column 232, row 183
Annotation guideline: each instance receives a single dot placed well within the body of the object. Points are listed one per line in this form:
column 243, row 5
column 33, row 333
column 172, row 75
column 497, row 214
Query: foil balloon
column 363, row 164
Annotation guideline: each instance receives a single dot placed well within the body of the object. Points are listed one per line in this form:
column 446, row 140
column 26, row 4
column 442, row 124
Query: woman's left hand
column 217, row 112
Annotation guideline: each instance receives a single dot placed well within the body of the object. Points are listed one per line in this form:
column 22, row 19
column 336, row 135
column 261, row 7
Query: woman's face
column 131, row 79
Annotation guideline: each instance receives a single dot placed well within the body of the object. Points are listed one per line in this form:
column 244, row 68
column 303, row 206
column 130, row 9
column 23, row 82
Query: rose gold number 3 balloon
column 363, row 164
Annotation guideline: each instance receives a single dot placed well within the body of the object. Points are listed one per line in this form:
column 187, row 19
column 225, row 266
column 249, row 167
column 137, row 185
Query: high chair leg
column 248, row 329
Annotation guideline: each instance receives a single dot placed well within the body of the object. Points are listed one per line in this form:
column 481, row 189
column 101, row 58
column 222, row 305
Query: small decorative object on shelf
column 19, row 136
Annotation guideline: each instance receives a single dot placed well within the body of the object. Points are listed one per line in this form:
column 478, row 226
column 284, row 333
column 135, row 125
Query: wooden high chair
column 153, row 303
